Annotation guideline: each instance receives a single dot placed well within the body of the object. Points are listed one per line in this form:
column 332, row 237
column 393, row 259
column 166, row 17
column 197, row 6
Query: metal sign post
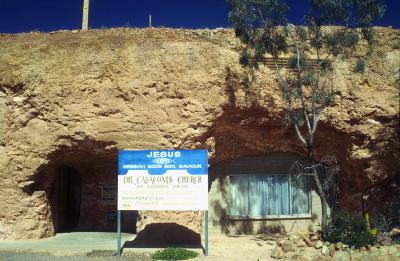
column 206, row 233
column 85, row 15
column 119, row 233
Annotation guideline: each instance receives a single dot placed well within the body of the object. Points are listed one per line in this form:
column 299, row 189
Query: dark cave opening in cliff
column 80, row 187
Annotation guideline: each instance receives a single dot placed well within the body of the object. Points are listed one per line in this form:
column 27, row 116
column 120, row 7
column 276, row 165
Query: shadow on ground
column 161, row 235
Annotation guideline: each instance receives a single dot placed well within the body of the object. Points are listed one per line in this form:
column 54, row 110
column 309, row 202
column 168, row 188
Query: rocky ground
column 308, row 247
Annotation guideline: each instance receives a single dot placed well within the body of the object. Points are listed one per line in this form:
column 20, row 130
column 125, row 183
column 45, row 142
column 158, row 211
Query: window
column 261, row 196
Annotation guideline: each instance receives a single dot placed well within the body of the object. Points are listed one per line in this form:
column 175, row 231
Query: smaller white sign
column 109, row 192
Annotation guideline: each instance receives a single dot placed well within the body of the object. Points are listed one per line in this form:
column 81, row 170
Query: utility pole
column 150, row 21
column 85, row 14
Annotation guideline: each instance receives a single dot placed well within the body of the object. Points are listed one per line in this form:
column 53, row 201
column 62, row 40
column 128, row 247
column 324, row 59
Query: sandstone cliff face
column 75, row 98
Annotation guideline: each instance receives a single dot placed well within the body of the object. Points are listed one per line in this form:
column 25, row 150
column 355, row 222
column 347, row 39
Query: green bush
column 360, row 66
column 174, row 254
column 348, row 229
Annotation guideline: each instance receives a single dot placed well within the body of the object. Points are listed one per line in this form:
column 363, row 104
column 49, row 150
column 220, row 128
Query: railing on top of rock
column 285, row 62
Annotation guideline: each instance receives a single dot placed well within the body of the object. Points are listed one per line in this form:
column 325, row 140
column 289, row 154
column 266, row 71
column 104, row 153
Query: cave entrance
column 80, row 186
column 68, row 188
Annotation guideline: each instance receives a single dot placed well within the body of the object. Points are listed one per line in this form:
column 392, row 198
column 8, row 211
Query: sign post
column 162, row 180
column 206, row 233
column 119, row 233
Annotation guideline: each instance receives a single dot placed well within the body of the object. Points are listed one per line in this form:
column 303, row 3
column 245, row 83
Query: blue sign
column 158, row 162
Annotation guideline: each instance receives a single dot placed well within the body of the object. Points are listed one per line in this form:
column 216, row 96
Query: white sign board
column 163, row 180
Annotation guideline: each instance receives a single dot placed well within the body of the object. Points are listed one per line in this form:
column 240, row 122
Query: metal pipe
column 206, row 232
column 150, row 21
column 119, row 233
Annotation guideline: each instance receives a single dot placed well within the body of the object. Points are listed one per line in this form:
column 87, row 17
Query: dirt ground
column 101, row 246
column 82, row 246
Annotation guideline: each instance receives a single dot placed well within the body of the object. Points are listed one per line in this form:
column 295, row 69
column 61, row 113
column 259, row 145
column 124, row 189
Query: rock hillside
column 77, row 97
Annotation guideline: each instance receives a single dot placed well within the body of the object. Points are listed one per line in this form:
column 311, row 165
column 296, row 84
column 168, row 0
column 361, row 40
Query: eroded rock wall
column 75, row 98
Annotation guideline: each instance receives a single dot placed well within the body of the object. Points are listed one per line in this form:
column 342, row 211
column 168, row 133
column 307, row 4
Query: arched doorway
column 80, row 186
column 68, row 190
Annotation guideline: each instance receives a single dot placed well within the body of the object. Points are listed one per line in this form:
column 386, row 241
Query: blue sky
column 51, row 15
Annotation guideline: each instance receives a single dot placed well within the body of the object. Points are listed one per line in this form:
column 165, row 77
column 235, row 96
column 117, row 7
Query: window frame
column 272, row 217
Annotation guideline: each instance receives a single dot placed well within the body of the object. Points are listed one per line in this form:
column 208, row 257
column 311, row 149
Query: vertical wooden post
column 85, row 14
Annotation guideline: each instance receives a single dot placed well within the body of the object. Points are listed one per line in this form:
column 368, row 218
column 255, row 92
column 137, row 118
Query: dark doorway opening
column 68, row 189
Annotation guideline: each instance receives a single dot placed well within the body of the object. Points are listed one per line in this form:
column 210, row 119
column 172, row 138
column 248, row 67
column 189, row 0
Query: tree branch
column 315, row 123
column 300, row 87
column 301, row 138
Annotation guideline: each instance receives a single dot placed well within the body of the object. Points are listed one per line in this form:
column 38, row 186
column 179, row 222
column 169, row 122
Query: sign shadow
column 162, row 235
